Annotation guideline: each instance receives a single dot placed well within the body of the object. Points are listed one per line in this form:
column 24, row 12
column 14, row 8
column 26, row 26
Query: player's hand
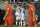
column 4, row 18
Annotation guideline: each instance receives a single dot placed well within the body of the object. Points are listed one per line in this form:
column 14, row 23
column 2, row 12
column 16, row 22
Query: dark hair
column 7, row 1
column 28, row 2
column 20, row 5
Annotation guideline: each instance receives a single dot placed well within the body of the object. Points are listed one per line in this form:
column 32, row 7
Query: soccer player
column 32, row 19
column 8, row 16
column 22, row 16
column 17, row 13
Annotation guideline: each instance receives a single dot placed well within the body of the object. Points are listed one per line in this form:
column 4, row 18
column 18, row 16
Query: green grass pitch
column 17, row 26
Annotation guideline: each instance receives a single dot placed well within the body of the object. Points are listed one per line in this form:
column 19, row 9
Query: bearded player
column 8, row 16
column 32, row 19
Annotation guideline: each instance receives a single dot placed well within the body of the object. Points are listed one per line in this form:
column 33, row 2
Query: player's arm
column 33, row 10
column 7, row 11
column 5, row 15
column 33, row 16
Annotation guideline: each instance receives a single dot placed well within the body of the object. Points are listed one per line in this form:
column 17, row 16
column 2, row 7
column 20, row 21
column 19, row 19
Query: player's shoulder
column 9, row 5
column 32, row 5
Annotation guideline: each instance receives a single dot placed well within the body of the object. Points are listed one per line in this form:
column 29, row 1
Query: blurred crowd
column 14, row 1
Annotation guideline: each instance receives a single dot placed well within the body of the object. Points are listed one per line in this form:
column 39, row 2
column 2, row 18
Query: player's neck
column 7, row 4
column 29, row 4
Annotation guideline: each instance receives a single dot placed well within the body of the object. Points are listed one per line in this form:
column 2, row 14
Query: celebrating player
column 22, row 16
column 17, row 13
column 32, row 19
column 8, row 16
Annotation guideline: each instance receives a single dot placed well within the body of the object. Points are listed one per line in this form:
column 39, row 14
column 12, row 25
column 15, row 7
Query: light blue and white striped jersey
column 22, row 10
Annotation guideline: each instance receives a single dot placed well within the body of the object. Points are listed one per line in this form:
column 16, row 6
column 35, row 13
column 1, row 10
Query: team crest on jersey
column 31, row 8
column 8, row 9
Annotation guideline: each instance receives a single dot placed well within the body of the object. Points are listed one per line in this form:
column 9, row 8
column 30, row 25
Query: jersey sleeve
column 7, row 10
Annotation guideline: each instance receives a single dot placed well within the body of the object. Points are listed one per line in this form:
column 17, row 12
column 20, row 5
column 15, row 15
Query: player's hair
column 28, row 2
column 7, row 1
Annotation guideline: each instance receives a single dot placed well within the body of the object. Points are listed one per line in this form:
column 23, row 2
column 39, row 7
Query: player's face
column 5, row 2
column 27, row 4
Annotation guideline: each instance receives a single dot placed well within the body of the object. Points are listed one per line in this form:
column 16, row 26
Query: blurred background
column 36, row 3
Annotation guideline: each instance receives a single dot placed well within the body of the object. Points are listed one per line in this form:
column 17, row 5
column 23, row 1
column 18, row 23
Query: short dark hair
column 28, row 2
column 20, row 5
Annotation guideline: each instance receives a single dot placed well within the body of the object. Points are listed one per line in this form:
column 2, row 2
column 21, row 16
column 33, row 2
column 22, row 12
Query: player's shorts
column 22, row 17
column 9, row 21
column 31, row 23
column 18, row 17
